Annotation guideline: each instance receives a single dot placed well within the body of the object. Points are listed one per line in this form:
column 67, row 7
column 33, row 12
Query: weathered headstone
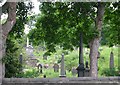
column 87, row 70
column 56, row 67
column 74, row 71
column 86, row 64
column 111, row 60
column 80, row 69
column 39, row 66
column 62, row 71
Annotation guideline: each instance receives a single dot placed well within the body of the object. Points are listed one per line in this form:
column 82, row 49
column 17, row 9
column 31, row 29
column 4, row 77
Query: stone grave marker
column 56, row 67
column 111, row 60
column 87, row 70
column 39, row 66
column 74, row 71
column 62, row 70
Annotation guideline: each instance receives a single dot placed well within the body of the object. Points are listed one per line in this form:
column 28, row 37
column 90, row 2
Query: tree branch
column 11, row 20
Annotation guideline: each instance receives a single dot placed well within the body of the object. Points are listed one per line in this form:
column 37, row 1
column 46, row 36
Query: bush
column 110, row 72
column 12, row 65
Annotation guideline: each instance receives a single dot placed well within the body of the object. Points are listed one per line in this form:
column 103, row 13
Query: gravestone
column 39, row 66
column 74, row 71
column 62, row 71
column 56, row 67
column 111, row 60
column 87, row 70
column 80, row 69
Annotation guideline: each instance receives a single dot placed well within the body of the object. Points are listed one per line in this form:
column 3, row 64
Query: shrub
column 110, row 72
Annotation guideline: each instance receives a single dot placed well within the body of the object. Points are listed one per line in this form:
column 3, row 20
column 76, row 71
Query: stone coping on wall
column 63, row 80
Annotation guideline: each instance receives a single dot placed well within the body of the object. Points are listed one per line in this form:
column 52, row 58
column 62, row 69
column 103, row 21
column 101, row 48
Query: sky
column 35, row 10
column 36, row 6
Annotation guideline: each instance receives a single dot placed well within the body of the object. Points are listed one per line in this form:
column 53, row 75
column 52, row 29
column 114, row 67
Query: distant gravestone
column 80, row 70
column 62, row 70
column 86, row 64
column 74, row 71
column 39, row 66
column 87, row 70
column 56, row 67
column 111, row 60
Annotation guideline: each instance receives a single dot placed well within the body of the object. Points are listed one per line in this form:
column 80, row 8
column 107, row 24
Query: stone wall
column 62, row 81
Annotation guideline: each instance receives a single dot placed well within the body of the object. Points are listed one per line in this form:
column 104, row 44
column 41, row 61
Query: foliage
column 14, row 42
column 111, row 24
column 61, row 23
column 110, row 72
column 71, row 60
column 12, row 65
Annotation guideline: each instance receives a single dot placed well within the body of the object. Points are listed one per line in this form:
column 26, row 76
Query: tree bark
column 4, row 31
column 94, row 44
column 0, row 48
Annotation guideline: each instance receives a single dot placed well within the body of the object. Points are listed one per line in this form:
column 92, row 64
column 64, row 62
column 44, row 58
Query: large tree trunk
column 4, row 31
column 94, row 44
column 0, row 48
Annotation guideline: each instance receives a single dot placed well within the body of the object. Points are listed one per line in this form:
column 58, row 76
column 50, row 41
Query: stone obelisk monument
column 62, row 70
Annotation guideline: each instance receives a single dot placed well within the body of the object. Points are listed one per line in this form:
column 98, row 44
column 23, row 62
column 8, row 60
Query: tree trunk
column 4, row 31
column 0, row 48
column 94, row 44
